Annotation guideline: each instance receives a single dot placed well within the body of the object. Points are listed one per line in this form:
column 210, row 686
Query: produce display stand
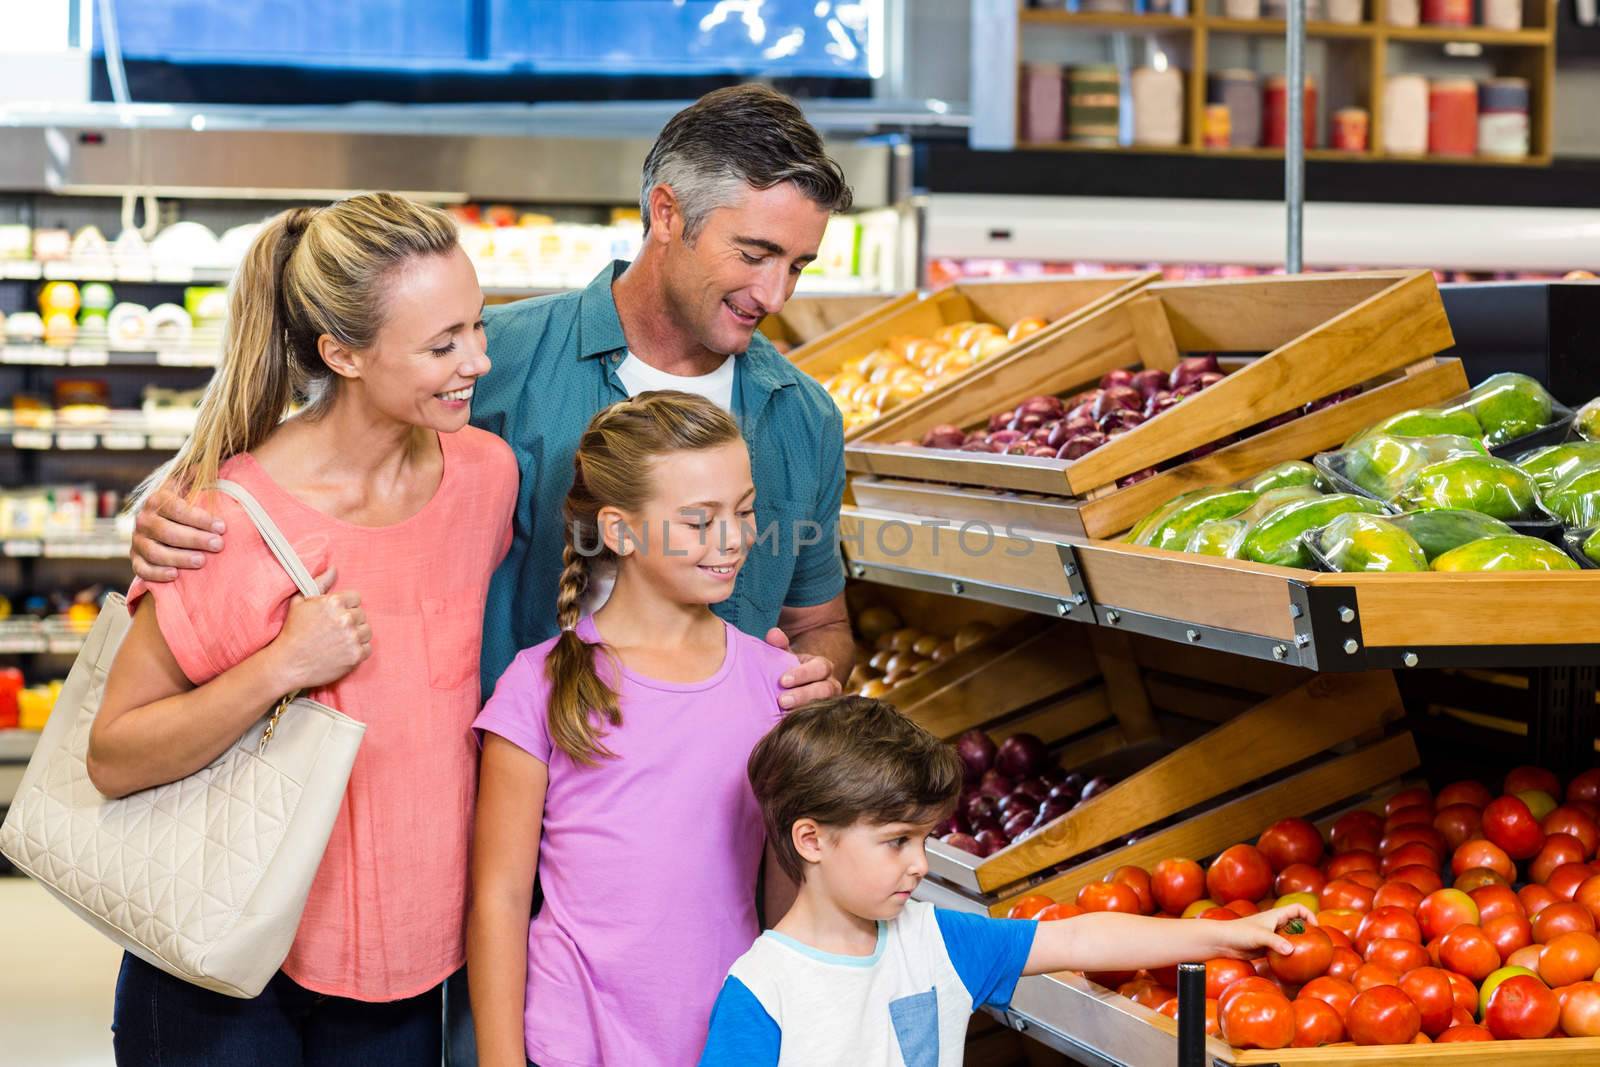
column 1063, row 300
column 818, row 320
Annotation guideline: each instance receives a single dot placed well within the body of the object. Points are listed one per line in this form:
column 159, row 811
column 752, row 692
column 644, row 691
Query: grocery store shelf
column 1106, row 20
column 121, row 432
column 16, row 746
column 110, row 270
column 1524, row 38
column 89, row 356
column 105, row 542
column 1277, row 28
column 32, row 636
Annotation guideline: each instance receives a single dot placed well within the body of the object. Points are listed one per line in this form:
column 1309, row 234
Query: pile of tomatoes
column 1461, row 916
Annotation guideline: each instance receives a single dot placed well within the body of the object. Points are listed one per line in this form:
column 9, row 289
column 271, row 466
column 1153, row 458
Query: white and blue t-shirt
column 908, row 1004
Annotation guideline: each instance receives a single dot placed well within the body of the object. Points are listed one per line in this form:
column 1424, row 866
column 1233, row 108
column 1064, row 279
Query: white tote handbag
column 204, row 877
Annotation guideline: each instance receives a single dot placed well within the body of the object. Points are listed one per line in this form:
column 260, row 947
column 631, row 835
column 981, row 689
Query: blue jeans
column 162, row 1021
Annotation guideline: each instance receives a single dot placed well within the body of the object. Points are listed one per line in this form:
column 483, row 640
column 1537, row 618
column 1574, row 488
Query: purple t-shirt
column 648, row 862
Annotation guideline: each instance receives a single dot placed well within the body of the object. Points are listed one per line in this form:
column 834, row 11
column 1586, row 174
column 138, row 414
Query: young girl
column 613, row 762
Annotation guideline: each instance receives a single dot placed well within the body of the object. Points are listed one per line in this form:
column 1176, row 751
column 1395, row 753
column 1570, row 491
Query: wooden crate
column 1062, row 300
column 1320, row 334
column 819, row 320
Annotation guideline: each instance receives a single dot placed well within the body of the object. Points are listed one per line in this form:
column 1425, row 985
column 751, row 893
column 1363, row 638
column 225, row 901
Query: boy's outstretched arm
column 1109, row 941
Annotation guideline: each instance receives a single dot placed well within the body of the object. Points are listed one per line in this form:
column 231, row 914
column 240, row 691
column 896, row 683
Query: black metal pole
column 1191, row 1015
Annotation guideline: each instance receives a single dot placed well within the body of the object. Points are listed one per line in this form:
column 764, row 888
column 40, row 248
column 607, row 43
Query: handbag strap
column 276, row 542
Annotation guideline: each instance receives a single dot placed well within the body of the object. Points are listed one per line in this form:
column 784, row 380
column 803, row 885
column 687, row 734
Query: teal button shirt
column 555, row 365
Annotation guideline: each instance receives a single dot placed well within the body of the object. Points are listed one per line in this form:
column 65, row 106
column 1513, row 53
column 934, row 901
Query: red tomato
column 1383, row 1015
column 1392, row 894
column 1535, row 898
column 1334, row 992
column 1466, row 792
column 1580, row 1011
column 1387, row 922
column 1424, row 878
column 1431, row 991
column 1345, row 964
column 1316, row 1024
column 1147, row 992
column 1413, row 835
column 1341, row 894
column 1466, row 994
column 1467, row 951
column 1360, row 839
column 1585, row 787
column 1137, row 879
column 1443, row 911
column 1242, row 908
column 1477, row 877
column 1213, row 1017
column 1109, row 979
column 1398, row 955
column 1167, row 976
column 1299, row 878
column 1223, row 972
column 1524, row 778
column 1496, row 900
column 1588, row 895
column 1416, row 815
column 1509, row 933
column 1467, row 1032
column 1558, row 851
column 1176, row 883
column 1339, row 938
column 1359, row 821
column 1346, row 863
column 1411, row 854
column 1345, row 920
column 1508, row 823
column 1526, row 957
column 1481, row 853
column 1058, row 911
column 1565, row 879
column 1240, row 873
column 1562, row 917
column 1290, row 841
column 1415, row 796
column 1569, row 958
column 1255, row 983
column 1219, row 914
column 1369, row 975
column 1521, row 1007
column 1258, row 1020
column 1433, row 950
column 1458, row 824
column 1310, row 954
column 1029, row 906
column 1109, row 896
column 1369, row 879
column 1569, row 820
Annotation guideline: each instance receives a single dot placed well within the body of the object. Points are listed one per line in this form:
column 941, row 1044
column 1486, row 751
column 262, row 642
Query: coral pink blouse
column 385, row 918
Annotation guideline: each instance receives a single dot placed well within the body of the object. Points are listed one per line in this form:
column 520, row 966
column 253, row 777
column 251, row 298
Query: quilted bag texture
column 204, row 877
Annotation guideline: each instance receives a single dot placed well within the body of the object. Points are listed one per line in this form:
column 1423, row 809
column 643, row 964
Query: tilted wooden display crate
column 806, row 321
column 1321, row 334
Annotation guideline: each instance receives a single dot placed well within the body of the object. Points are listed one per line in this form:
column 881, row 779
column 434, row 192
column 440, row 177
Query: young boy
column 857, row 973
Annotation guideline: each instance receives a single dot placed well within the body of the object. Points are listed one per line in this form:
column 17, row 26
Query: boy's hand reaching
column 1252, row 935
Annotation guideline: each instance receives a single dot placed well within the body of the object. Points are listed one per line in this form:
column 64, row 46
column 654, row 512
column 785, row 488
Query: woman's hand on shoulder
column 324, row 637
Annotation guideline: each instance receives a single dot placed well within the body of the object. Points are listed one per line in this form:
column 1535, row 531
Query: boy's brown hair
column 847, row 759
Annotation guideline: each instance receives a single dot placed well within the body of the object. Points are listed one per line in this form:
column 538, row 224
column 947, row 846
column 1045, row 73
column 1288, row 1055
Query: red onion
column 1084, row 410
column 980, row 806
column 990, row 841
column 977, row 751
column 1095, row 786
column 1136, row 477
column 1041, row 452
column 978, row 446
column 1150, row 382
column 944, row 828
column 1116, row 377
column 996, row 784
column 1026, row 421
column 987, row 822
column 1048, row 406
column 1210, row 378
column 999, row 419
column 1054, row 808
column 1119, row 420
column 963, row 842
column 1121, row 397
column 1022, row 756
column 1018, row 824
column 1003, row 439
column 1191, row 369
column 1081, row 445
column 1036, row 789
column 945, row 436
column 1071, row 785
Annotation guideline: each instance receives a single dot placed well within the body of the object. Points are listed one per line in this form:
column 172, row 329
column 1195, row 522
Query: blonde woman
column 370, row 312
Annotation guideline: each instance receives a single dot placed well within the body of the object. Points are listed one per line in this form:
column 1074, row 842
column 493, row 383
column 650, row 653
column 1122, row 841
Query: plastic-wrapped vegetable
column 1276, row 537
column 1218, row 537
column 1587, row 422
column 1356, row 541
column 1139, row 534
column 1381, row 465
column 1424, row 422
column 1552, row 464
column 1509, row 406
column 1576, row 498
column 1173, row 531
column 1477, row 483
column 1438, row 530
column 1273, row 499
column 1291, row 473
column 1591, row 547
column 1512, row 552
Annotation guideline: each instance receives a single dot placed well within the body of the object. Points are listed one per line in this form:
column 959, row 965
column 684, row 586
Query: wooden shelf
column 1524, row 38
column 1277, row 28
column 1108, row 20
column 1325, row 155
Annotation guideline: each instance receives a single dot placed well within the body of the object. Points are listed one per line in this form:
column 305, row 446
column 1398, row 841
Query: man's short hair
column 734, row 138
column 844, row 760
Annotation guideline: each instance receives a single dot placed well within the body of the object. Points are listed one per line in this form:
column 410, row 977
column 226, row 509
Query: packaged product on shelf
column 89, row 244
column 1422, row 422
column 1438, row 530
column 16, row 241
column 1405, row 115
column 1238, row 92
column 25, row 327
column 1509, row 552
column 171, row 409
column 1484, row 484
column 128, row 326
column 1276, row 537
column 1359, row 542
column 130, row 251
column 1511, row 406
column 1157, row 106
column 1173, row 528
column 1575, row 499
column 98, row 299
column 1381, row 464
column 187, row 245
column 51, row 244
column 170, row 325
column 81, row 400
column 207, row 305
column 11, row 684
column 1294, row 472
column 1586, row 423
column 1503, row 114
column 1584, row 544
column 35, row 703
column 1550, row 465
